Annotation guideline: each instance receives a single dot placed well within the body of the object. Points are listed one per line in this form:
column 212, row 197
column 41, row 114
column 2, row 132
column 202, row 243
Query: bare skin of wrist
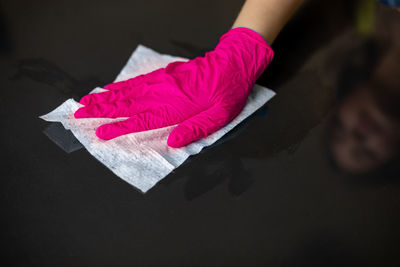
column 267, row 17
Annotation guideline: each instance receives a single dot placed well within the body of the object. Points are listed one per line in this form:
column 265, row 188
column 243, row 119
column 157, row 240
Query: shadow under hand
column 208, row 171
column 207, row 178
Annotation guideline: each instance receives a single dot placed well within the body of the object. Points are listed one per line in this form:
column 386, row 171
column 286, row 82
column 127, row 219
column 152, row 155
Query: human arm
column 267, row 17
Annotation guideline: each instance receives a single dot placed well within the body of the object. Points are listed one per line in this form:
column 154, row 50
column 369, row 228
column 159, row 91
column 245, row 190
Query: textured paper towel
column 142, row 159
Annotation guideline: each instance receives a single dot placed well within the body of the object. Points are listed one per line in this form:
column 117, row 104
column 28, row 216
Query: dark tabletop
column 267, row 197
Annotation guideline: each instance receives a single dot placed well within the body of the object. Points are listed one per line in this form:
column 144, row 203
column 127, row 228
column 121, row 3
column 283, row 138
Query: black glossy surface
column 268, row 197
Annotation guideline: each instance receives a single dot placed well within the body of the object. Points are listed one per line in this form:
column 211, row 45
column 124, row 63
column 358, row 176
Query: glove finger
column 201, row 125
column 106, row 97
column 125, row 108
column 133, row 82
column 137, row 123
column 126, row 84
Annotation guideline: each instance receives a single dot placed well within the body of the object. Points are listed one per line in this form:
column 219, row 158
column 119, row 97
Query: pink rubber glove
column 201, row 95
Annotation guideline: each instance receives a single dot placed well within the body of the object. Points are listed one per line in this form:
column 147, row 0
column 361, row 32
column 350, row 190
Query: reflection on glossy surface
column 365, row 131
column 363, row 137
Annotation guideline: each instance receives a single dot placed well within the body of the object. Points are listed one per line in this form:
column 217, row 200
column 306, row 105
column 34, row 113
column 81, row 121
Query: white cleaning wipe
column 142, row 159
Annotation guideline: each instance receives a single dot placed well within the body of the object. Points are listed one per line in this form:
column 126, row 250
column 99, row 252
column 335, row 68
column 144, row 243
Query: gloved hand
column 201, row 95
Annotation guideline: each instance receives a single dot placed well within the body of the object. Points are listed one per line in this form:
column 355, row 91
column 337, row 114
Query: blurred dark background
column 268, row 197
